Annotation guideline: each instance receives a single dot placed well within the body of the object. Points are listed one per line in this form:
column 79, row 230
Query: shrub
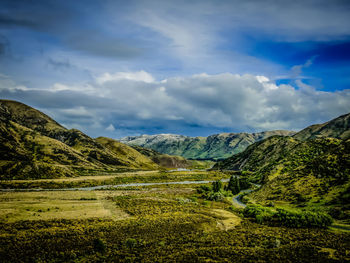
column 233, row 185
column 99, row 245
column 236, row 184
column 131, row 242
column 303, row 218
column 203, row 189
column 259, row 213
column 217, row 186
column 215, row 196
column 298, row 219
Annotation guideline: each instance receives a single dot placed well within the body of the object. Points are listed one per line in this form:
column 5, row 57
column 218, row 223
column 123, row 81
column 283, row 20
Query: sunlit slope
column 128, row 154
column 28, row 154
column 33, row 145
column 337, row 128
column 313, row 171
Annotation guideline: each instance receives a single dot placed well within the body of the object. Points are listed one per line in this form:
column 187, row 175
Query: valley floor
column 165, row 223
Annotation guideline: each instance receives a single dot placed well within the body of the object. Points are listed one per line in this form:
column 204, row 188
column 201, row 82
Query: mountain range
column 214, row 147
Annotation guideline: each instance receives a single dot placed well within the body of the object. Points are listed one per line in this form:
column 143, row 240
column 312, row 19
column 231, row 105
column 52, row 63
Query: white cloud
column 110, row 128
column 230, row 101
column 6, row 83
column 134, row 76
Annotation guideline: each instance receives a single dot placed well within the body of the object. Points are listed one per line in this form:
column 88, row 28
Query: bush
column 259, row 213
column 203, row 189
column 215, row 196
column 99, row 245
column 217, row 186
column 303, row 218
column 298, row 219
column 131, row 242
column 236, row 184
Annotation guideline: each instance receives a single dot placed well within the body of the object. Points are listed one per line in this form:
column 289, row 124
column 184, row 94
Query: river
column 101, row 187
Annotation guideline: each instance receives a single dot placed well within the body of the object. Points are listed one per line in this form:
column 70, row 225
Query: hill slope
column 337, row 128
column 218, row 146
column 32, row 145
column 126, row 153
column 173, row 161
column 309, row 172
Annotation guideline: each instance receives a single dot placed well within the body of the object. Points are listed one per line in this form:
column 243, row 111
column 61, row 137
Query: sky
column 123, row 68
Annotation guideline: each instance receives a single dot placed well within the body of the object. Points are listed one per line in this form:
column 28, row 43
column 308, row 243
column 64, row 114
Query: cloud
column 297, row 70
column 134, row 102
column 110, row 128
column 133, row 76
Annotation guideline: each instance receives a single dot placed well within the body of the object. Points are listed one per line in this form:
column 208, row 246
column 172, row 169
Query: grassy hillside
column 32, row 145
column 313, row 172
column 128, row 154
column 214, row 147
column 173, row 161
column 337, row 128
column 27, row 154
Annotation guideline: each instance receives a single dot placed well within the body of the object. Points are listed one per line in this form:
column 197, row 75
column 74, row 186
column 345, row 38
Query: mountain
column 32, row 145
column 173, row 161
column 164, row 160
column 214, row 147
column 337, row 128
column 127, row 154
column 308, row 172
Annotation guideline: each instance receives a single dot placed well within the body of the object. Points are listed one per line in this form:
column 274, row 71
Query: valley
column 67, row 197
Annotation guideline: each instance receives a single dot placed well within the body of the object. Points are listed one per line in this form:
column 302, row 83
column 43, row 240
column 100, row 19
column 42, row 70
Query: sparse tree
column 217, row 186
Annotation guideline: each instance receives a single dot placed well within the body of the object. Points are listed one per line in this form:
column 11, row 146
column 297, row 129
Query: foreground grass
column 150, row 225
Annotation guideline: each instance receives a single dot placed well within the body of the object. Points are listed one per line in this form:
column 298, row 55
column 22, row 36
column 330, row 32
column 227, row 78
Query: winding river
column 237, row 199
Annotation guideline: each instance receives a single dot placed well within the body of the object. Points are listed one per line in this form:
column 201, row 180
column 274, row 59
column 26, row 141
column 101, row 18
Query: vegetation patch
column 289, row 218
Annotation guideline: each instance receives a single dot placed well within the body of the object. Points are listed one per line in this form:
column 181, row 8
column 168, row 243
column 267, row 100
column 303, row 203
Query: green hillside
column 313, row 172
column 173, row 161
column 127, row 154
column 32, row 145
column 337, row 128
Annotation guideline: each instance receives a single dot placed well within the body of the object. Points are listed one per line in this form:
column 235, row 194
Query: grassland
column 150, row 224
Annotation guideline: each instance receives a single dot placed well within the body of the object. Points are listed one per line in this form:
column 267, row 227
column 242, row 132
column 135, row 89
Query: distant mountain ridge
column 213, row 147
